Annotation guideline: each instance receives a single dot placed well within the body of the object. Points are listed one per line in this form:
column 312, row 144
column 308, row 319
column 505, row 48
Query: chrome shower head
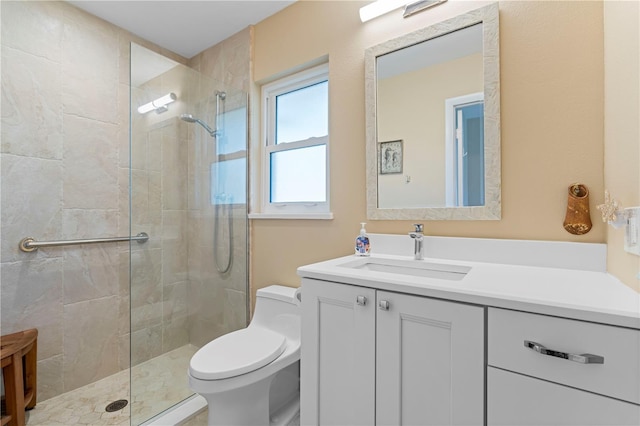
column 188, row 118
column 191, row 119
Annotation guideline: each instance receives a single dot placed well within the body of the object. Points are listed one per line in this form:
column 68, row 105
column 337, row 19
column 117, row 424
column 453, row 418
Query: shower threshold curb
column 179, row 414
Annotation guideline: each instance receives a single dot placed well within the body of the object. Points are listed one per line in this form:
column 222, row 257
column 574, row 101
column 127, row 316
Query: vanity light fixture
column 419, row 6
column 381, row 7
column 159, row 105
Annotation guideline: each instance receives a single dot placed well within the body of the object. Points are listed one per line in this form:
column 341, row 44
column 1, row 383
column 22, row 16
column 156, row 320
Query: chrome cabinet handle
column 582, row 358
column 383, row 305
column 361, row 300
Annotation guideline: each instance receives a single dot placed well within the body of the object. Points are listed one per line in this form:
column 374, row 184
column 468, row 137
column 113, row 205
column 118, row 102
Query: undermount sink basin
column 416, row 268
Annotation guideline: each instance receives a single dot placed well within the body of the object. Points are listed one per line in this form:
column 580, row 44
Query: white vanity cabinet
column 558, row 384
column 378, row 357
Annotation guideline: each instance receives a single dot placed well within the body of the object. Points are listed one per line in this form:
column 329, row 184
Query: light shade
column 159, row 105
column 378, row 8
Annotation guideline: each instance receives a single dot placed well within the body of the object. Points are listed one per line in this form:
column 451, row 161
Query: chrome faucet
column 418, row 236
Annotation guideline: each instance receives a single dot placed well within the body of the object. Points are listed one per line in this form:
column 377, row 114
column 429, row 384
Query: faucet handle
column 419, row 227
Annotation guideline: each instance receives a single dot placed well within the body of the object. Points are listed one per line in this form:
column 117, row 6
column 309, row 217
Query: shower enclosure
column 117, row 319
column 188, row 189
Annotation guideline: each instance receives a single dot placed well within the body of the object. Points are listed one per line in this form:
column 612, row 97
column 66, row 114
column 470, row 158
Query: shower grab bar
column 29, row 244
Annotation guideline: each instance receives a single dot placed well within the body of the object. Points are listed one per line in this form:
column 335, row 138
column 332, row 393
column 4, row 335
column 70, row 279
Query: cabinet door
column 430, row 362
column 517, row 400
column 337, row 365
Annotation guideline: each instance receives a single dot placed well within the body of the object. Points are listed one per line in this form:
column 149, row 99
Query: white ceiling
column 185, row 27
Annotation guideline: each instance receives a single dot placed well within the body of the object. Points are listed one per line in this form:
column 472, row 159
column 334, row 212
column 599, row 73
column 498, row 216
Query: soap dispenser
column 363, row 247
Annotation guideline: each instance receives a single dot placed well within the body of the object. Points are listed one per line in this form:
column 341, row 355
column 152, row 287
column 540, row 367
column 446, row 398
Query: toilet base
column 232, row 407
column 273, row 400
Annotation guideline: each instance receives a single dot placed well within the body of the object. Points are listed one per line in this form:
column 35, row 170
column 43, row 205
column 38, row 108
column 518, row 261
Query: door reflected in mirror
column 437, row 90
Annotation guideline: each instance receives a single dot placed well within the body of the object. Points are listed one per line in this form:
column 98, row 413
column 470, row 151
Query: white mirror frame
column 488, row 16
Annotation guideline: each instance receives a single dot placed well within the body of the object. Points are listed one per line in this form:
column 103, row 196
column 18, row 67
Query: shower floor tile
column 157, row 385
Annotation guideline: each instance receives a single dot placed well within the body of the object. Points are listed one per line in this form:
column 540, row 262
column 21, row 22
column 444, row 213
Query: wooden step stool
column 19, row 355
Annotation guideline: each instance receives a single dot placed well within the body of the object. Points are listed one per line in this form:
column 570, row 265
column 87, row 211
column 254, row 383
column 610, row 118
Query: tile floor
column 157, row 384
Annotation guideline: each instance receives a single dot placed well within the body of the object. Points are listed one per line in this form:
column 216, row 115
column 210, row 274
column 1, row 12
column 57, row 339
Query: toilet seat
column 237, row 353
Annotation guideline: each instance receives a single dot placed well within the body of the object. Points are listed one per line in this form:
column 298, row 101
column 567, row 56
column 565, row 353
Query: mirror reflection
column 430, row 97
column 433, row 122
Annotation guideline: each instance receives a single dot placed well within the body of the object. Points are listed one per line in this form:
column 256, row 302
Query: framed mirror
column 433, row 121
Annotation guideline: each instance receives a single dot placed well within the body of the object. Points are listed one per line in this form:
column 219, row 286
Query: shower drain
column 116, row 405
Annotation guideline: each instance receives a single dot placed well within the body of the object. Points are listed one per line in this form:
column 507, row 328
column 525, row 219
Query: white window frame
column 291, row 210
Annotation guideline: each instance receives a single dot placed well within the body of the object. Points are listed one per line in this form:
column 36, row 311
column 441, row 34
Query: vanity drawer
column 618, row 376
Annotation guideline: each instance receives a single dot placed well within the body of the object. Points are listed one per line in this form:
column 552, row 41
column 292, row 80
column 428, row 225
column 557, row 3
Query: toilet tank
column 278, row 309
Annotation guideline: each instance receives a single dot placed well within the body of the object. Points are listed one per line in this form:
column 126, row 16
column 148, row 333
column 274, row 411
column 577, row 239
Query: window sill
column 312, row 216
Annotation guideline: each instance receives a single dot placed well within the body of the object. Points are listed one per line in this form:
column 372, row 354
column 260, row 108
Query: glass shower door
column 188, row 285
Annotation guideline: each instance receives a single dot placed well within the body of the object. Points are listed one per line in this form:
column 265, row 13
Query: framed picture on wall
column 390, row 154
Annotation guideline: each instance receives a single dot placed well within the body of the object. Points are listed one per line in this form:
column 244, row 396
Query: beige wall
column 552, row 122
column 622, row 127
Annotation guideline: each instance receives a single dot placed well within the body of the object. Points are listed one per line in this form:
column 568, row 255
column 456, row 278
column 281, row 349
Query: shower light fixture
column 159, row 105
column 381, row 7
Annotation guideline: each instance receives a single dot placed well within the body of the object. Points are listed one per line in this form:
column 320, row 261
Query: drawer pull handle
column 582, row 358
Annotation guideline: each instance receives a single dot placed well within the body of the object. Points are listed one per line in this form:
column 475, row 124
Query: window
column 229, row 171
column 295, row 179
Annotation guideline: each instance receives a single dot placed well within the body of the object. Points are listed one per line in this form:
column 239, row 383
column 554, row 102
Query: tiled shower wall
column 65, row 107
column 213, row 313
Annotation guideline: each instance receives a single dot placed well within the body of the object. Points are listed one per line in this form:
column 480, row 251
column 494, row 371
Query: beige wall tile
column 124, row 352
column 90, row 272
column 175, row 333
column 146, row 288
column 235, row 309
column 31, row 204
column 145, row 344
column 34, row 27
column 91, row 341
column 174, row 246
column 237, row 53
column 174, row 297
column 174, row 171
column 211, row 62
column 31, row 111
column 50, row 377
column 123, row 202
column 90, row 67
column 89, row 223
column 32, row 298
column 90, row 164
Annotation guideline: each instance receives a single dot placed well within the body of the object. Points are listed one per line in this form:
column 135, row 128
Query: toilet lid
column 236, row 353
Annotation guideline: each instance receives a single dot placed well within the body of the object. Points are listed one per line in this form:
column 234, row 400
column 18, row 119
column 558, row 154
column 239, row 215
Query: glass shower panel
column 189, row 284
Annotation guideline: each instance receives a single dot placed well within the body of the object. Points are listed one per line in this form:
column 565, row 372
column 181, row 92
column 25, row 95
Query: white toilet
column 252, row 376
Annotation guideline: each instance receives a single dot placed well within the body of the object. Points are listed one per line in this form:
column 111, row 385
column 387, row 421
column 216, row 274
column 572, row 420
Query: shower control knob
column 361, row 300
column 383, row 305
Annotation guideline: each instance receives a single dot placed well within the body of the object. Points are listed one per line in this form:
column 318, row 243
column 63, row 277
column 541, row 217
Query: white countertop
column 578, row 294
